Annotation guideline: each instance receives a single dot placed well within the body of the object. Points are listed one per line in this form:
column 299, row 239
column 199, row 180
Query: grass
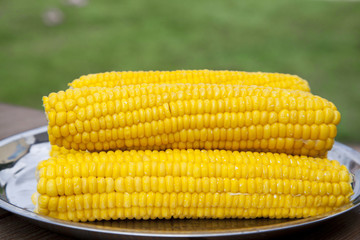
column 318, row 40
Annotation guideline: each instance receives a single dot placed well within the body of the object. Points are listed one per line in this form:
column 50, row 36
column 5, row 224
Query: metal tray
column 20, row 154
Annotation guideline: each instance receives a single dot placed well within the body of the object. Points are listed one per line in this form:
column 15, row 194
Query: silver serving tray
column 20, row 154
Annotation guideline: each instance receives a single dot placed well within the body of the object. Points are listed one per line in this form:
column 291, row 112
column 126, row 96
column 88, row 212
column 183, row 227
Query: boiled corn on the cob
column 112, row 79
column 83, row 186
column 190, row 116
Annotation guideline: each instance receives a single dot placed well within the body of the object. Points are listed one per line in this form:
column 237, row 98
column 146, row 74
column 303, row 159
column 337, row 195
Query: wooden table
column 14, row 119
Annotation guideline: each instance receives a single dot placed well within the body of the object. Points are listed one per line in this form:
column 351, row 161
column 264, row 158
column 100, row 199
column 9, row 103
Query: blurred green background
column 46, row 44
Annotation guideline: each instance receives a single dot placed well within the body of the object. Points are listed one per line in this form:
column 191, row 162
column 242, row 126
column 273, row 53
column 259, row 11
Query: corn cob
column 191, row 116
column 83, row 186
column 112, row 79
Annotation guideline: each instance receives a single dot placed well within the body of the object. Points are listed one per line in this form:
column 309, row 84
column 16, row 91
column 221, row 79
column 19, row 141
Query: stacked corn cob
column 182, row 146
column 113, row 79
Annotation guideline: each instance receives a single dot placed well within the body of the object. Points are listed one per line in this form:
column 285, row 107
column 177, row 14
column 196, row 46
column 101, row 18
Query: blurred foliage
column 317, row 40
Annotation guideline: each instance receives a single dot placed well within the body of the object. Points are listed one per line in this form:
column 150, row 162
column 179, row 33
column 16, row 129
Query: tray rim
column 40, row 219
